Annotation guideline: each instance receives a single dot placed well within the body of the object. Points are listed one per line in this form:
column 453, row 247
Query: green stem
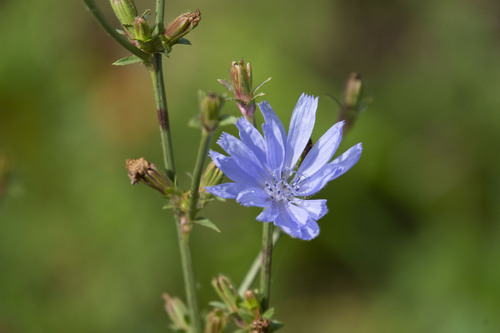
column 197, row 172
column 161, row 108
column 255, row 267
column 160, row 10
column 188, row 272
column 96, row 12
column 265, row 272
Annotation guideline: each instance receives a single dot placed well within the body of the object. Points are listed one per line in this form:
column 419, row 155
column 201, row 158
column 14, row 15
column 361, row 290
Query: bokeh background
column 412, row 240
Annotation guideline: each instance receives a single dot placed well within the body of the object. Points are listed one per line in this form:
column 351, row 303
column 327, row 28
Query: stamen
column 279, row 188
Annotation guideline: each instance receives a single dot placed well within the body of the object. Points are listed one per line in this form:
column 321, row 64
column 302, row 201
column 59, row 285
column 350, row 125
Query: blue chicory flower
column 264, row 171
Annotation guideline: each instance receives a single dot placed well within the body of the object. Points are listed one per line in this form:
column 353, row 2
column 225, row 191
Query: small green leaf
column 168, row 206
column 206, row 223
column 268, row 314
column 219, row 305
column 276, row 325
column 128, row 61
column 195, row 122
column 183, row 41
column 227, row 119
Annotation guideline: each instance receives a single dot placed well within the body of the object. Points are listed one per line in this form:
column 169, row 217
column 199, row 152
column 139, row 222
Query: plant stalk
column 255, row 267
column 265, row 272
column 197, row 172
column 162, row 110
column 188, row 272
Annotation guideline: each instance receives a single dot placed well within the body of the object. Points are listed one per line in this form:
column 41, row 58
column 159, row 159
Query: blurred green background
column 412, row 240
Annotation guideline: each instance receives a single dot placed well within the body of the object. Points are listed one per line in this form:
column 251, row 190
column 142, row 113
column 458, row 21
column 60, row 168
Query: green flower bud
column 241, row 87
column 212, row 176
column 177, row 312
column 352, row 104
column 226, row 292
column 241, row 77
column 210, row 105
column 180, row 26
column 142, row 31
column 251, row 301
column 216, row 321
column 353, row 91
column 124, row 10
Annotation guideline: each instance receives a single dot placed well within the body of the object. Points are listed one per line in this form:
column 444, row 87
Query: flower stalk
column 162, row 111
column 265, row 271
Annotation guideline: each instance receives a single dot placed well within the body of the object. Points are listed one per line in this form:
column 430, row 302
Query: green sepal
column 183, row 41
column 219, row 305
column 206, row 223
column 268, row 314
column 128, row 61
column 276, row 325
column 168, row 206
column 261, row 84
column 227, row 119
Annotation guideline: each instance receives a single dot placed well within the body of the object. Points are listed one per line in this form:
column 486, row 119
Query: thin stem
column 160, row 13
column 255, row 267
column 96, row 12
column 188, row 272
column 197, row 172
column 161, row 108
column 265, row 272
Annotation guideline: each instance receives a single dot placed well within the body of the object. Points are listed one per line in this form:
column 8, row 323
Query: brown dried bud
column 140, row 170
column 260, row 325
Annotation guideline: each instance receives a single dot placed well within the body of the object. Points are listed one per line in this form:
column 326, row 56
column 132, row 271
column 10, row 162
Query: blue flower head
column 265, row 173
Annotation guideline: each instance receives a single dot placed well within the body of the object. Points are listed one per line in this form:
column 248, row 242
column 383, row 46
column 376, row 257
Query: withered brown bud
column 140, row 170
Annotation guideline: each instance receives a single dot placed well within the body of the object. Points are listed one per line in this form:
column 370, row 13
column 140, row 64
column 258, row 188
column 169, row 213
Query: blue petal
column 332, row 170
column 232, row 170
column 301, row 127
column 344, row 162
column 322, row 151
column 286, row 222
column 243, row 156
column 270, row 213
column 275, row 145
column 296, row 222
column 252, row 138
column 310, row 231
column 269, row 115
column 226, row 191
column 316, row 208
column 254, row 197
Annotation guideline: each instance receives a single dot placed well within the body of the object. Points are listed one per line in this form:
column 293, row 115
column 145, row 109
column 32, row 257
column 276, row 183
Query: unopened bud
column 180, row 26
column 241, row 87
column 251, row 301
column 142, row 31
column 140, row 170
column 177, row 312
column 125, row 11
column 212, row 176
column 210, row 104
column 352, row 103
column 216, row 321
column 353, row 90
column 226, row 292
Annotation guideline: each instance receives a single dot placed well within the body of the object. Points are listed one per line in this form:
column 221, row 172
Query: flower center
column 279, row 188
